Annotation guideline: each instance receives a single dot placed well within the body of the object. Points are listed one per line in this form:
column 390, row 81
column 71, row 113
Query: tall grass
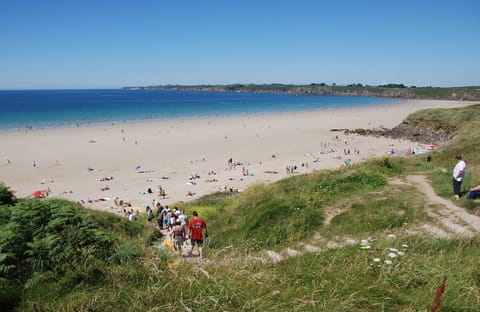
column 312, row 282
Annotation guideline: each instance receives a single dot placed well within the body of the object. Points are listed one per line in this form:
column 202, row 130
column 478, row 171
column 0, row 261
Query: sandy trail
column 453, row 215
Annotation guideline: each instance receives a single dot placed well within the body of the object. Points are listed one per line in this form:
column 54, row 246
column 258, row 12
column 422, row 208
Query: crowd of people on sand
column 194, row 177
column 232, row 165
column 121, row 203
column 333, row 148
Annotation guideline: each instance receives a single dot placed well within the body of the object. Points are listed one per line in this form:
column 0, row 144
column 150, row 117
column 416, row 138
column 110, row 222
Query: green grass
column 312, row 282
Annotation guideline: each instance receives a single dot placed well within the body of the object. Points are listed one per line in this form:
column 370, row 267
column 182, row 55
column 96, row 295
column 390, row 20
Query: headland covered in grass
column 392, row 90
column 361, row 237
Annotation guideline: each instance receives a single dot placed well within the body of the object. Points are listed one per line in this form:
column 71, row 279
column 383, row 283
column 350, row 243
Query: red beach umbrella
column 37, row 193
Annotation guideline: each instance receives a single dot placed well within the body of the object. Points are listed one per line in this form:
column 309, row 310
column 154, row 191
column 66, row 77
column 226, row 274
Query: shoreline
column 103, row 122
column 188, row 157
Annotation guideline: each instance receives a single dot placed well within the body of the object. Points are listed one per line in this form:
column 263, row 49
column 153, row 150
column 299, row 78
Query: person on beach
column 474, row 192
column 458, row 174
column 196, row 228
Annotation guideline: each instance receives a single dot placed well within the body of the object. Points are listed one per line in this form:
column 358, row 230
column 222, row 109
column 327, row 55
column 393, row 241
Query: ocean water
column 72, row 108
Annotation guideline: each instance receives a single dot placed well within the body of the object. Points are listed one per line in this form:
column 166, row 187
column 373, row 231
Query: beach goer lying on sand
column 271, row 171
column 194, row 176
column 146, row 171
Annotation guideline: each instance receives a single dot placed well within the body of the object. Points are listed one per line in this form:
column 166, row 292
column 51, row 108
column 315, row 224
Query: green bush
column 7, row 196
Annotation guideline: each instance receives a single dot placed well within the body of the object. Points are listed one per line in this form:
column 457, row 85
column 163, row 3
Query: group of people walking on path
column 196, row 232
column 181, row 230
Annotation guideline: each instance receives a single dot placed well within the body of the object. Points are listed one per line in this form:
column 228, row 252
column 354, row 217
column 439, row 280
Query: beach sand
column 71, row 162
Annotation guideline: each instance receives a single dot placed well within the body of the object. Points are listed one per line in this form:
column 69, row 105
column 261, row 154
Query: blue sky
column 110, row 44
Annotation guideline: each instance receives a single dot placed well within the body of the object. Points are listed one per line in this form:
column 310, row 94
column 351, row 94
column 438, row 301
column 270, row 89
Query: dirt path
column 454, row 218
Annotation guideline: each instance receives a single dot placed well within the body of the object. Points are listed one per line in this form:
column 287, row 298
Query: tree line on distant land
column 390, row 90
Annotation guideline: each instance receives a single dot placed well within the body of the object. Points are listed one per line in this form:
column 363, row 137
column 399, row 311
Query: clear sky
column 114, row 43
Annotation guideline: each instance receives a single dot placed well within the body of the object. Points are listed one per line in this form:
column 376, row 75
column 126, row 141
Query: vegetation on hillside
column 59, row 242
column 470, row 93
column 57, row 256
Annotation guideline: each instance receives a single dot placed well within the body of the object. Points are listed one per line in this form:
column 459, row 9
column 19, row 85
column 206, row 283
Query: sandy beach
column 191, row 157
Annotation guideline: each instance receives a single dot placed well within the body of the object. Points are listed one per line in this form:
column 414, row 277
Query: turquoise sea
column 72, row 108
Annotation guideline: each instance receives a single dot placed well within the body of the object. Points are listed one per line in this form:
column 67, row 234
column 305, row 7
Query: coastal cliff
column 471, row 93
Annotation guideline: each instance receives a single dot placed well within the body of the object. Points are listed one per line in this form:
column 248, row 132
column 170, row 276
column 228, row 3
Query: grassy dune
column 57, row 256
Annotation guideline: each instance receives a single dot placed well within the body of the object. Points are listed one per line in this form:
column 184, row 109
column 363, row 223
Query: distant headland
column 469, row 93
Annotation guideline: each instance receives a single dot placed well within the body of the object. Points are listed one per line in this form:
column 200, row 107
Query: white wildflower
column 391, row 236
column 364, row 242
column 394, row 249
column 376, row 259
column 388, row 262
column 392, row 255
column 400, row 253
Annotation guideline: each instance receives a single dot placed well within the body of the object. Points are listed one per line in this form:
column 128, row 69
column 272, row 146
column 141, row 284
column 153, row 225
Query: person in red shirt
column 195, row 230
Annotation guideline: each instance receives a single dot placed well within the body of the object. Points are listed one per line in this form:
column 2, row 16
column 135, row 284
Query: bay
column 72, row 108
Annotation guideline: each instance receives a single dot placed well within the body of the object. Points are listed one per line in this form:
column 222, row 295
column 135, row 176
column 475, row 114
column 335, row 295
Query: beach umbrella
column 37, row 193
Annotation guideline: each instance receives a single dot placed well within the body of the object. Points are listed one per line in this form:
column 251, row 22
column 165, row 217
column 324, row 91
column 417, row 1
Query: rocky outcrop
column 405, row 131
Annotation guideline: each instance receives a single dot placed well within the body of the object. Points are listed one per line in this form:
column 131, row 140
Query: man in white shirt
column 458, row 174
